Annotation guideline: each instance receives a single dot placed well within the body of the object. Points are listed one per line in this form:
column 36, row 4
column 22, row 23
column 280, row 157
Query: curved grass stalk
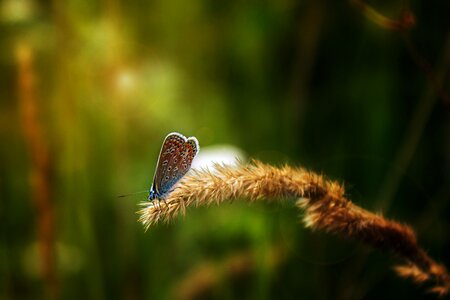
column 325, row 208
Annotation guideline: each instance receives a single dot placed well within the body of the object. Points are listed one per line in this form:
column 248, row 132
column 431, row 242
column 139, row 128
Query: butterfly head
column 152, row 195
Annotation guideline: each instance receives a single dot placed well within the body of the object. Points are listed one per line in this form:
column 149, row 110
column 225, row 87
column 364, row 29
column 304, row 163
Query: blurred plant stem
column 40, row 164
column 417, row 125
column 405, row 22
column 207, row 277
column 309, row 28
column 418, row 122
column 425, row 106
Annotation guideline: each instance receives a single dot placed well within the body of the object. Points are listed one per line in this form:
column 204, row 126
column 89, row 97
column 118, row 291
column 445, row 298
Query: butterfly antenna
column 126, row 195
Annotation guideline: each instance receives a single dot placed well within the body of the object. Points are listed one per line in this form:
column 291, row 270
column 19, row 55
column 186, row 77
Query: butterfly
column 175, row 159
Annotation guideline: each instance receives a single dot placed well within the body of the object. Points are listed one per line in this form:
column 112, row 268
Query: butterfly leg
column 163, row 199
column 167, row 206
column 155, row 203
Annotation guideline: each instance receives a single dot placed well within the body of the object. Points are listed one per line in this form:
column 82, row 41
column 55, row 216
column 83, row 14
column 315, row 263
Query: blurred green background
column 89, row 89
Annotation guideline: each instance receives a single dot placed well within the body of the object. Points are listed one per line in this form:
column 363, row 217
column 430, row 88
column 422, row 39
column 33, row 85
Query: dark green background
column 310, row 83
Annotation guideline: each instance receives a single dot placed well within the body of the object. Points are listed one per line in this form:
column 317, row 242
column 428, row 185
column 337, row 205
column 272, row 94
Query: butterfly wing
column 171, row 145
column 179, row 164
column 191, row 149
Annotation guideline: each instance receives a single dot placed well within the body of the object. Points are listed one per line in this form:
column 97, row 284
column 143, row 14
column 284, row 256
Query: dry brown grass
column 323, row 201
column 39, row 164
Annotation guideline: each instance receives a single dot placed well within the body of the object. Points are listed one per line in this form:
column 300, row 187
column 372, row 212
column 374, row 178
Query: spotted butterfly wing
column 182, row 163
column 169, row 155
column 175, row 159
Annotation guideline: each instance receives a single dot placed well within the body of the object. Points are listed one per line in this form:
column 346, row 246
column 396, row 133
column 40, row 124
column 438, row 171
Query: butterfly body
column 175, row 159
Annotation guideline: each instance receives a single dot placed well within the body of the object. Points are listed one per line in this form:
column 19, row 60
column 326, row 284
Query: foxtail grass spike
column 324, row 204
